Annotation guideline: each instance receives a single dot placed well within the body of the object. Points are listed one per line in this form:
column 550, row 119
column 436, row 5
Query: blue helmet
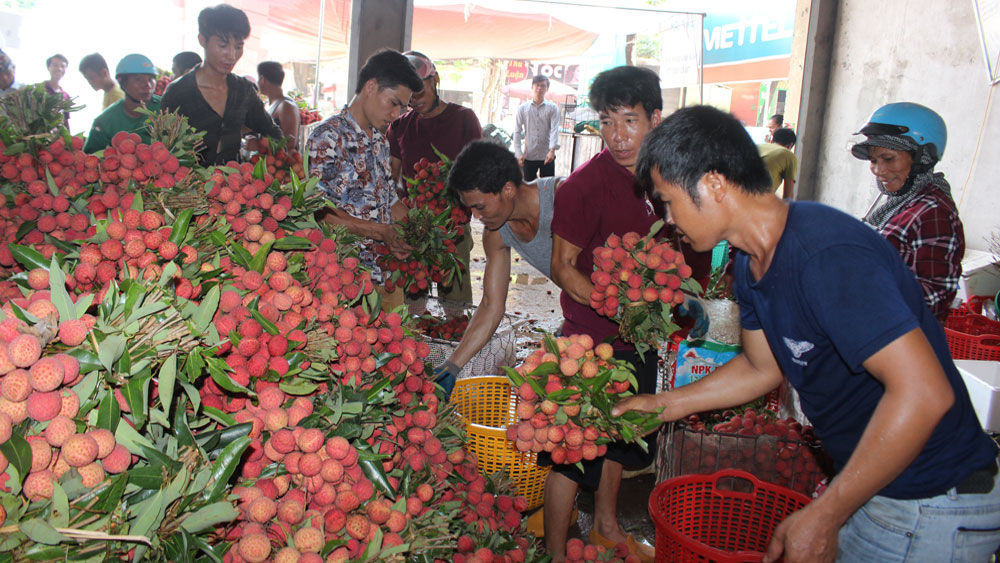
column 135, row 64
column 907, row 119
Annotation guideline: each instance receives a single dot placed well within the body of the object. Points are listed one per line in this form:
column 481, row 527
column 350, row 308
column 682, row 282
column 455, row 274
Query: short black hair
column 390, row 69
column 540, row 78
column 272, row 71
column 784, row 137
column 778, row 118
column 696, row 140
column 187, row 60
column 223, row 21
column 483, row 166
column 626, row 86
column 48, row 61
column 93, row 62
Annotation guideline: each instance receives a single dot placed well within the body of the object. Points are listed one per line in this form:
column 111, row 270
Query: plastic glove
column 445, row 375
column 693, row 308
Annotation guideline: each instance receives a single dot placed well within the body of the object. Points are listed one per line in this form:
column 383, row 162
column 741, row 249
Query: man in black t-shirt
column 214, row 99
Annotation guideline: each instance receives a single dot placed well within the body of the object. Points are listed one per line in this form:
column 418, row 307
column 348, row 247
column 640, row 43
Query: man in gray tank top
column 516, row 214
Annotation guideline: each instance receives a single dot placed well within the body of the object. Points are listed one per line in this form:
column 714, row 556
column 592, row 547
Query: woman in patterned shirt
column 918, row 215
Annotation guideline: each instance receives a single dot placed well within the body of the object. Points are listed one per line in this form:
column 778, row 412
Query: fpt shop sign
column 739, row 37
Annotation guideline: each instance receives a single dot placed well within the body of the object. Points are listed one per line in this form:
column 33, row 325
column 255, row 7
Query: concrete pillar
column 377, row 24
column 808, row 81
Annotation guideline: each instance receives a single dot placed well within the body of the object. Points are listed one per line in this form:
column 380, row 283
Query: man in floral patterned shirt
column 350, row 155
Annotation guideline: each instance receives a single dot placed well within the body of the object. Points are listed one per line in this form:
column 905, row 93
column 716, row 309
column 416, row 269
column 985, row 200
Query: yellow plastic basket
column 488, row 404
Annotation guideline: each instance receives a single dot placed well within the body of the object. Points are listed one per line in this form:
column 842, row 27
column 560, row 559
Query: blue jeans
column 949, row 527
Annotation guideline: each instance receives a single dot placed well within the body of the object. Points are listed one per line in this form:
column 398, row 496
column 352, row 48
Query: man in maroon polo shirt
column 598, row 199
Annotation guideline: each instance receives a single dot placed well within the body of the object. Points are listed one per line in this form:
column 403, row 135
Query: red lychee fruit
column 79, row 450
column 41, row 453
column 92, row 474
column 44, row 406
column 254, row 548
column 38, row 485
column 38, row 278
column 24, row 350
column 261, row 510
column 291, row 511
column 59, row 430
column 46, row 374
column 378, row 510
column 117, row 461
column 310, row 440
column 357, row 526
column 338, row 447
column 105, row 441
column 16, row 385
column 309, row 539
column 71, row 368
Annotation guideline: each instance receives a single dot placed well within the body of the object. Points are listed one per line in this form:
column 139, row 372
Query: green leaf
column 29, row 257
column 221, row 377
column 134, row 393
column 372, row 468
column 209, row 304
column 210, row 515
column 132, row 440
column 59, row 516
column 260, row 259
column 41, row 531
column 111, row 496
column 267, row 325
column 223, row 468
column 111, row 349
column 240, row 254
column 179, row 229
column 18, row 453
column 148, row 518
column 82, row 304
column 292, row 243
column 53, row 188
column 298, row 387
column 57, row 292
column 167, row 377
column 158, row 459
column 221, row 417
column 150, row 478
column 216, row 440
column 25, row 228
column 218, row 239
column 109, row 413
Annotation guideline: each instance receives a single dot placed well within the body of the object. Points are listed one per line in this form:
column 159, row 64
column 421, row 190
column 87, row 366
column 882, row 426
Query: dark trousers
column 538, row 169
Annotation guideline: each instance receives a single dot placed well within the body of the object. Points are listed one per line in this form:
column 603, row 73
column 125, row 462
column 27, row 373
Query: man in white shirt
column 537, row 124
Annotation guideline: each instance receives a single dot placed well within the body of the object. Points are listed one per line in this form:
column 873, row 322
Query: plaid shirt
column 929, row 236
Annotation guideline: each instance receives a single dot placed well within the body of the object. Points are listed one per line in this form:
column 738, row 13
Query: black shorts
column 630, row 456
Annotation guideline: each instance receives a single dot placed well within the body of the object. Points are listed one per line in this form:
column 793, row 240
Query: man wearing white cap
column 433, row 123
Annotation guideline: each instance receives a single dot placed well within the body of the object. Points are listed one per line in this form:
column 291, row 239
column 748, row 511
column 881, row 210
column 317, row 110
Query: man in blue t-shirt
column 828, row 304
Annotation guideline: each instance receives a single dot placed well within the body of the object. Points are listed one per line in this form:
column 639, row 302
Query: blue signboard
column 740, row 36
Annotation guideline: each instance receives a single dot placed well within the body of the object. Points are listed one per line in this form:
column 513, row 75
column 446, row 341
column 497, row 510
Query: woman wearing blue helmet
column 915, row 211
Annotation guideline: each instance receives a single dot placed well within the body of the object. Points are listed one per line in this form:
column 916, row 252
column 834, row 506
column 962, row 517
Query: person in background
column 214, row 99
column 599, row 199
column 94, row 68
column 515, row 214
column 283, row 110
column 7, row 82
column 57, row 70
column 537, row 125
column 349, row 154
column 904, row 141
column 183, row 62
column 433, row 123
column 827, row 303
column 137, row 76
column 775, row 122
column 780, row 161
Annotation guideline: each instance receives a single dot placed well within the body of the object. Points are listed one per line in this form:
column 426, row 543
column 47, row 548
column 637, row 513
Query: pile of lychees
column 567, row 388
column 637, row 281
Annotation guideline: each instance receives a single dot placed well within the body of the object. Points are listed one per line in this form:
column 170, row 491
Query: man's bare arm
column 489, row 313
column 564, row 272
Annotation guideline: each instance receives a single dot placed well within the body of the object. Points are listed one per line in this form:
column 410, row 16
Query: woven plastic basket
column 726, row 517
column 500, row 351
column 488, row 405
column 972, row 336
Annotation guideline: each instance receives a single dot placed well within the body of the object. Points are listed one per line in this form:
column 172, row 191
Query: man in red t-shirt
column 598, row 199
column 433, row 123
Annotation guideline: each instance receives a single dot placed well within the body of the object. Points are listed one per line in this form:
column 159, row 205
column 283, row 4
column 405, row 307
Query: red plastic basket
column 726, row 517
column 972, row 336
